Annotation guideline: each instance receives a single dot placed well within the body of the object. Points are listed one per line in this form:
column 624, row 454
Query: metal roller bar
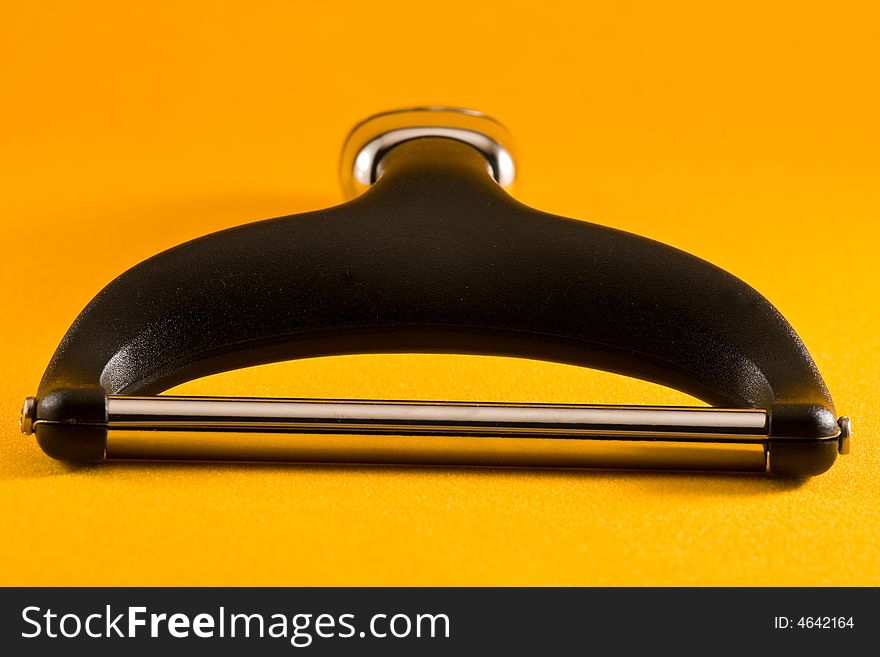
column 437, row 433
column 405, row 417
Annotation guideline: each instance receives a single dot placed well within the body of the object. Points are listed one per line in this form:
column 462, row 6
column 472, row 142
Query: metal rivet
column 28, row 415
column 843, row 444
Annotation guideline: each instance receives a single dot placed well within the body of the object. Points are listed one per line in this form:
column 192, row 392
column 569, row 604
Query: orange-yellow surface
column 744, row 132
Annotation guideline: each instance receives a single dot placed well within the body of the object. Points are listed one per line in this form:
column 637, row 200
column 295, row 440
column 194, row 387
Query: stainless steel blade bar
column 436, row 433
column 460, row 418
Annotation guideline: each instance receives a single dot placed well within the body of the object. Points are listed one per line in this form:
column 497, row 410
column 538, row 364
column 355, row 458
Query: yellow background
column 744, row 132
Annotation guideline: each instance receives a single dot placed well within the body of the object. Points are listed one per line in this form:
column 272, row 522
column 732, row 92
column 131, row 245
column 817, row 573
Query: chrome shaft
column 442, row 418
column 435, row 433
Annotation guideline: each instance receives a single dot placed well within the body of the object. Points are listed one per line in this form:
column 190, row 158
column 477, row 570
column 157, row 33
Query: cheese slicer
column 432, row 254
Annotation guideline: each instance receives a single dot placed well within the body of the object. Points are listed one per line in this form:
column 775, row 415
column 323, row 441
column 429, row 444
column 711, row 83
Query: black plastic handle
column 436, row 257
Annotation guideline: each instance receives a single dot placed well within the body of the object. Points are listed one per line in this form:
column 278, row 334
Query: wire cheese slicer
column 431, row 254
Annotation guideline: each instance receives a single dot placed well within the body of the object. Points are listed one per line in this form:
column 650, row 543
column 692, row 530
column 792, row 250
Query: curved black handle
column 436, row 257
